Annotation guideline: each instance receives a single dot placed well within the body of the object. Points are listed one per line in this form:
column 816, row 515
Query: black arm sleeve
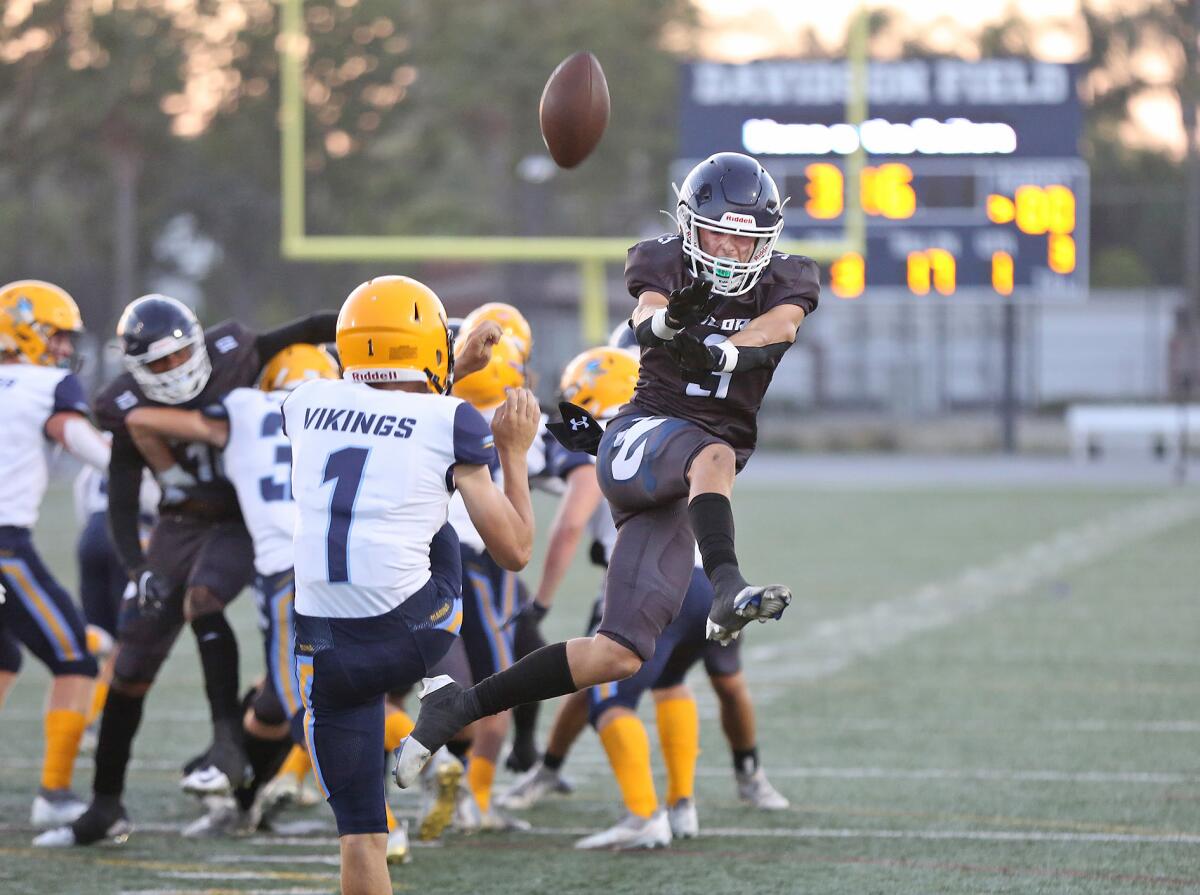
column 124, row 485
column 313, row 329
column 644, row 333
column 751, row 358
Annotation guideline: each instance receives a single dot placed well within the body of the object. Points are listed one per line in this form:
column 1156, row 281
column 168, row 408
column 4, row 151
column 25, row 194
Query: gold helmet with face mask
column 600, row 380
column 511, row 322
column 32, row 312
column 393, row 329
column 296, row 364
column 486, row 388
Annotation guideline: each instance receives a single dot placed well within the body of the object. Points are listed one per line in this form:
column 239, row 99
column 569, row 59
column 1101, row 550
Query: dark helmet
column 623, row 337
column 154, row 327
column 729, row 193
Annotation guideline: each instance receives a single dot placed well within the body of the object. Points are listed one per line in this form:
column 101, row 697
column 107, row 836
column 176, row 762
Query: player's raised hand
column 515, row 424
column 689, row 305
column 476, row 348
column 693, row 355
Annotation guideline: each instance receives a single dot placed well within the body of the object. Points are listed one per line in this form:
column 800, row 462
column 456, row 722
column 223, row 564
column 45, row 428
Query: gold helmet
column 31, row 312
column 486, row 388
column 296, row 364
column 393, row 329
column 600, row 380
column 511, row 322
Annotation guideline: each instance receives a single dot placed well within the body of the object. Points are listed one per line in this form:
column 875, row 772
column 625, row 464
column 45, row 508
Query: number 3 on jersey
column 345, row 469
column 716, row 385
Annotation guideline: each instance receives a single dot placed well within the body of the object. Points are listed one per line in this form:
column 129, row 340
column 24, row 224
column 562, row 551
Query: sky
column 741, row 30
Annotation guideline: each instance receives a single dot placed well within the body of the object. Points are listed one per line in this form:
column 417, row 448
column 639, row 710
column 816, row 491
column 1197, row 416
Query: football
column 574, row 109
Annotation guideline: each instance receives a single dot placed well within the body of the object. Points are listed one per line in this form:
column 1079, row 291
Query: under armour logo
column 578, row 424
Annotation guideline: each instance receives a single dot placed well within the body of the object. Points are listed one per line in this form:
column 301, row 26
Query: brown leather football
column 574, row 109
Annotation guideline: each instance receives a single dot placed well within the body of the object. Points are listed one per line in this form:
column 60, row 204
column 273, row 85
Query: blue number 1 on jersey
column 345, row 467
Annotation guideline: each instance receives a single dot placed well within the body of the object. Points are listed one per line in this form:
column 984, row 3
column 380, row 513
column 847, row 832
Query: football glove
column 689, row 305
column 693, row 355
column 152, row 592
column 578, row 430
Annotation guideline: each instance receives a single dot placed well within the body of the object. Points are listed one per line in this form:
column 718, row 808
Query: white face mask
column 180, row 384
column 728, row 276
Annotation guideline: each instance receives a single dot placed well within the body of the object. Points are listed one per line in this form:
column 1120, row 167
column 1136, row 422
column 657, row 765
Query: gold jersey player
column 717, row 309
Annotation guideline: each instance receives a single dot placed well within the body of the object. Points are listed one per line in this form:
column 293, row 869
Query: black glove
column 152, row 591
column 578, row 430
column 532, row 612
column 693, row 355
column 689, row 305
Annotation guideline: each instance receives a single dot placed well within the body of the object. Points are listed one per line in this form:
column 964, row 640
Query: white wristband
column 730, row 354
column 660, row 327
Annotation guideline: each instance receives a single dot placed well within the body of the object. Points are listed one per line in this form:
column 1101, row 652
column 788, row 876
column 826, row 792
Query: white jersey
column 257, row 459
column 91, row 493
column 29, row 396
column 540, row 477
column 372, row 475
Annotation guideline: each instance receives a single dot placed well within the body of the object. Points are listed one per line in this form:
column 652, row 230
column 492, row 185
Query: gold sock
column 397, row 726
column 297, row 763
column 391, row 818
column 99, row 695
column 679, row 735
column 63, row 731
column 480, row 774
column 628, row 748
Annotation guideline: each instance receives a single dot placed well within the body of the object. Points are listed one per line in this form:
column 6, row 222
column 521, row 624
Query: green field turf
column 991, row 691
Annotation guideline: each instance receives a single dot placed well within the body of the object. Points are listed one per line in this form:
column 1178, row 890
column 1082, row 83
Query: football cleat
column 55, row 808
column 533, row 786
column 441, row 716
column 494, row 820
column 223, row 818
column 398, row 850
column 277, row 794
column 109, row 823
column 685, row 824
column 208, row 780
column 632, row 833
column 756, row 790
column 729, row 614
column 225, row 767
column 440, row 783
column 466, row 817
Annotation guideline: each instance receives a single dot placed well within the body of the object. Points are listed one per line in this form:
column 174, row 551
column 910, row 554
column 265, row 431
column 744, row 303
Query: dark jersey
column 235, row 364
column 723, row 404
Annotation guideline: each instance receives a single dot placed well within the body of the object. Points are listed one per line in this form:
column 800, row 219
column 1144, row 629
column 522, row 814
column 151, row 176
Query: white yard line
column 828, row 647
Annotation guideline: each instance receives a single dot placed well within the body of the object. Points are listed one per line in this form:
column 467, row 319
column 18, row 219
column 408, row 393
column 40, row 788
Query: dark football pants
column 642, row 467
column 275, row 598
column 345, row 666
column 37, row 611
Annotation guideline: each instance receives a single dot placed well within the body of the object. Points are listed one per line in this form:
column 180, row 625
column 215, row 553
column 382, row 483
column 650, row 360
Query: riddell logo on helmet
column 375, row 375
column 732, row 217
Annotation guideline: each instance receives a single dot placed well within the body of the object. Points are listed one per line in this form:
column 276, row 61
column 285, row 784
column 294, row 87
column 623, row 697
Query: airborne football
column 781, row 482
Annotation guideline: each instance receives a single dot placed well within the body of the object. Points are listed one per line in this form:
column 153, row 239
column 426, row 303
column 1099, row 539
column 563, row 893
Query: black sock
column 711, row 517
column 118, row 725
column 265, row 757
column 219, row 660
column 459, row 749
column 745, row 761
column 525, row 724
column 553, row 762
column 543, row 674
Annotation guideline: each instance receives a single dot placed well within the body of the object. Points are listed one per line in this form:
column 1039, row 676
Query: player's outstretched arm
column 124, row 485
column 80, row 438
column 762, row 343
column 182, row 425
column 579, row 501
column 505, row 519
column 313, row 329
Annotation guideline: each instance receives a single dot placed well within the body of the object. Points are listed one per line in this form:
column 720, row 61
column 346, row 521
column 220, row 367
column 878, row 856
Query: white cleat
column 531, row 787
column 685, row 823
column 496, row 821
column 398, row 850
column 208, row 780
column 467, row 818
column 55, row 808
column 440, row 783
column 756, row 790
column 632, row 833
column 278, row 793
column 222, row 819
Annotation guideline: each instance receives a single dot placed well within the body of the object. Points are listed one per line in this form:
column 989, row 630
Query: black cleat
column 732, row 612
column 443, row 714
column 102, row 822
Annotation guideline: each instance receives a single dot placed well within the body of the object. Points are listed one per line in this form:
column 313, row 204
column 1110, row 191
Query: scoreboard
column 971, row 183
